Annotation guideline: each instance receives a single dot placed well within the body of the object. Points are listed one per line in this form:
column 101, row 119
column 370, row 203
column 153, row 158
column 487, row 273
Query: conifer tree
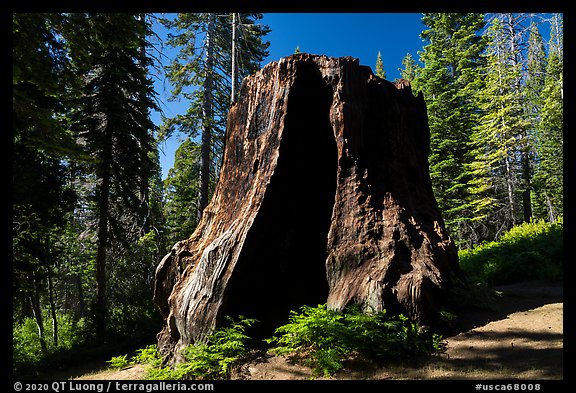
column 549, row 176
column 380, row 67
column 410, row 69
column 41, row 199
column 201, row 74
column 112, row 121
column 181, row 192
column 510, row 114
column 535, row 75
column 496, row 131
column 449, row 81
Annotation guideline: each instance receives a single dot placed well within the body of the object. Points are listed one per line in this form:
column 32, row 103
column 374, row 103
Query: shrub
column 529, row 251
column 322, row 339
column 27, row 352
column 26, row 344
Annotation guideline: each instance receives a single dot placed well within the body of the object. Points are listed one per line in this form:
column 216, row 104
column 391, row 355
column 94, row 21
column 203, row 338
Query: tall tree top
column 380, row 66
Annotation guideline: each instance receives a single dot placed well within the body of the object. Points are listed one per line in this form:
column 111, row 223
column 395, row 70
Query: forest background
column 92, row 215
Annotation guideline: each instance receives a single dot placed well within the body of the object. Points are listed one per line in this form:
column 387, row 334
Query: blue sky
column 360, row 35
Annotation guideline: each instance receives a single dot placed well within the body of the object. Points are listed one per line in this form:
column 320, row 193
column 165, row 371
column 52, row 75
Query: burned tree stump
column 324, row 196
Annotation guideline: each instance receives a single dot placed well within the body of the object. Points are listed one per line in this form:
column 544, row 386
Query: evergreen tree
column 112, row 121
column 410, row 69
column 535, row 74
column 510, row 114
column 516, row 33
column 449, row 81
column 380, row 67
column 536, row 63
column 200, row 73
column 41, row 199
column 181, row 192
column 494, row 138
column 549, row 170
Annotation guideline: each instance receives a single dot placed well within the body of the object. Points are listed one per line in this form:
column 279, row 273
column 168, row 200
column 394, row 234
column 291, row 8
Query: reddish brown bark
column 324, row 196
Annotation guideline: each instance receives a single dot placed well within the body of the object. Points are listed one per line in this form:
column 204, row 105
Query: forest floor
column 521, row 339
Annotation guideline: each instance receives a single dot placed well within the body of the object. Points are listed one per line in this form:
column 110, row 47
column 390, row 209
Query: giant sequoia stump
column 324, row 196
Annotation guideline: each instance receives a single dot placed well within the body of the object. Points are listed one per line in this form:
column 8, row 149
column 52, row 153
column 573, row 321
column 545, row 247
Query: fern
column 322, row 339
column 214, row 360
column 119, row 362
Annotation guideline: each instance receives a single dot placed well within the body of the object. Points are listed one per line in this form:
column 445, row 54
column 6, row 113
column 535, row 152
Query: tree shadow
column 496, row 352
column 514, row 298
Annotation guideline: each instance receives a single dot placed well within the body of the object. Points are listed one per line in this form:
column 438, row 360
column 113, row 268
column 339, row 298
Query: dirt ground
column 521, row 339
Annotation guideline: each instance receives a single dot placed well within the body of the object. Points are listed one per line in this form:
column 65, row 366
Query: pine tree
column 510, row 115
column 410, row 70
column 201, row 74
column 41, row 142
column 181, row 192
column 516, row 45
column 449, row 81
column 549, row 170
column 536, row 63
column 380, row 67
column 493, row 136
column 112, row 121
column 535, row 74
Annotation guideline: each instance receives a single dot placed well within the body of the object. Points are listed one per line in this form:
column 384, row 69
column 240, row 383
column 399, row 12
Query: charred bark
column 324, row 196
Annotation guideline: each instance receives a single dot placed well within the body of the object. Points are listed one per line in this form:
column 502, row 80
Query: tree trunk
column 324, row 196
column 550, row 208
column 52, row 309
column 509, row 176
column 100, row 306
column 37, row 311
column 527, row 184
column 81, row 303
column 103, row 201
column 234, row 62
column 207, row 120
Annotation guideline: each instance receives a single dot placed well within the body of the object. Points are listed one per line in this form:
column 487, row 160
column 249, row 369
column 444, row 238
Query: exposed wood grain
column 324, row 196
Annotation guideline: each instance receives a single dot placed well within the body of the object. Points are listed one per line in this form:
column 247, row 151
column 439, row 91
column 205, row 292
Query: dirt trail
column 522, row 339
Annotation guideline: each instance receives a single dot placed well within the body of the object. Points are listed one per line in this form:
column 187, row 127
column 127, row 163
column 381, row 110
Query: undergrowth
column 316, row 337
column 322, row 339
column 28, row 354
column 224, row 348
column 530, row 251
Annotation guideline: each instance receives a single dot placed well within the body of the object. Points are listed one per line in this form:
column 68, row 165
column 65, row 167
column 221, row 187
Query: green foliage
column 136, row 321
column 27, row 351
column 181, row 192
column 380, row 66
column 527, row 252
column 119, row 362
column 214, row 359
column 449, row 82
column 410, row 69
column 549, row 171
column 322, row 339
column 148, row 355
